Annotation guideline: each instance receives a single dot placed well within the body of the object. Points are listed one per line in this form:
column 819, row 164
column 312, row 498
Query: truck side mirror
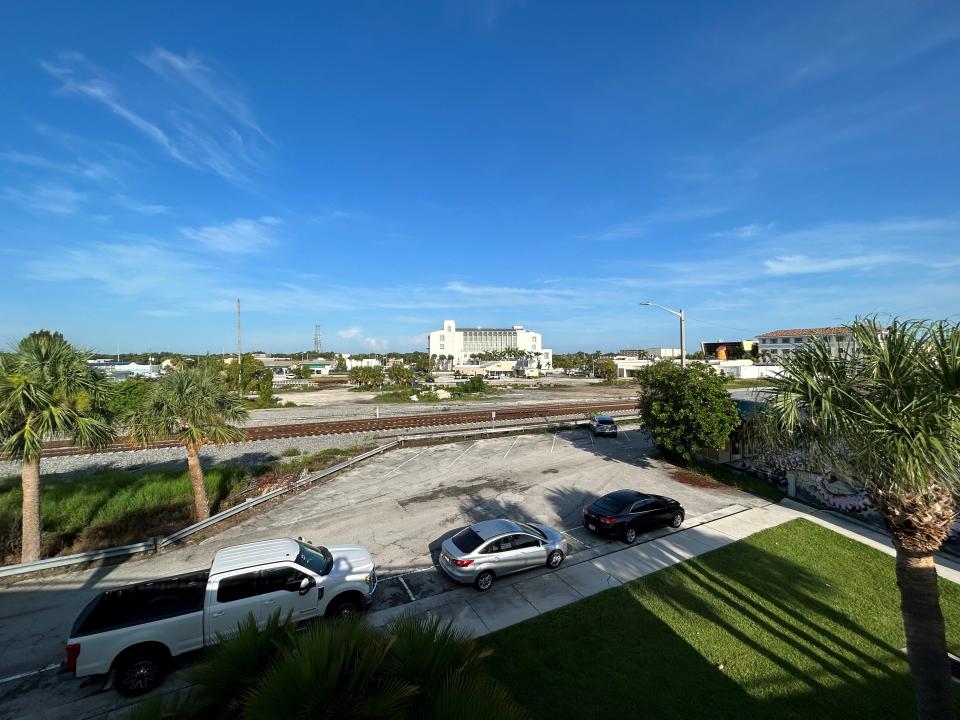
column 305, row 585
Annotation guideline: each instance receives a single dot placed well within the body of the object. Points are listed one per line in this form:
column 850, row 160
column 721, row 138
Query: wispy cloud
column 642, row 225
column 208, row 126
column 237, row 236
column 46, row 198
column 128, row 203
column 743, row 232
column 803, row 265
column 358, row 337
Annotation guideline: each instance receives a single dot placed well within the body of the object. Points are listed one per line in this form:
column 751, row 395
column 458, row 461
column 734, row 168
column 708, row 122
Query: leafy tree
column 341, row 365
column 194, row 407
column 607, row 369
column 265, row 390
column 126, row 395
column 686, row 409
column 400, row 375
column 418, row 668
column 47, row 390
column 250, row 368
column 304, row 372
column 886, row 411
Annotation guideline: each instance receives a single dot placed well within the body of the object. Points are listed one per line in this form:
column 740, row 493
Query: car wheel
column 629, row 535
column 484, row 581
column 554, row 559
column 343, row 609
column 138, row 674
column 676, row 520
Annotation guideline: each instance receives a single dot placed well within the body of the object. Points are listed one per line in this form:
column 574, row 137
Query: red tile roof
column 807, row 331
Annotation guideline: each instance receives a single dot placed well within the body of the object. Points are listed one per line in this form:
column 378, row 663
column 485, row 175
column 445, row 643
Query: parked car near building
column 136, row 630
column 626, row 513
column 603, row 425
column 481, row 553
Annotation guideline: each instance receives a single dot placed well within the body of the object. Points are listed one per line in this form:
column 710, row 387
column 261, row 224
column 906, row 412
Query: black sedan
column 624, row 513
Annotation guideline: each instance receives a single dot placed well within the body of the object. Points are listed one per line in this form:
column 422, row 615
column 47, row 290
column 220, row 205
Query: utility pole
column 239, row 358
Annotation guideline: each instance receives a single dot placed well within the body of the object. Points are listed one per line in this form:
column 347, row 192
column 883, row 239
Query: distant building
column 650, row 353
column 729, row 349
column 783, row 342
column 461, row 344
column 118, row 371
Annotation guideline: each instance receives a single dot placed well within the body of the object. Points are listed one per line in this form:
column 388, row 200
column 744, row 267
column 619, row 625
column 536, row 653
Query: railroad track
column 60, row 448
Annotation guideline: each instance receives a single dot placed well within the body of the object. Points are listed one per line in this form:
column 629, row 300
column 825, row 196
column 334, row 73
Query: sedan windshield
column 533, row 530
column 467, row 540
column 317, row 559
column 605, row 421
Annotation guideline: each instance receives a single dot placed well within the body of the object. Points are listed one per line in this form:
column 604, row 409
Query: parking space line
column 463, row 453
column 407, row 588
column 30, row 673
column 593, row 443
column 512, row 446
column 626, row 436
column 554, row 442
column 404, row 463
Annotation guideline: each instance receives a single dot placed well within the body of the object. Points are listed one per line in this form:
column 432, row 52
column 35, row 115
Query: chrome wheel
column 484, row 581
column 630, row 535
column 139, row 677
column 556, row 557
column 677, row 519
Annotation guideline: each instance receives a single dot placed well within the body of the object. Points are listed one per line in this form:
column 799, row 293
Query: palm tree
column 193, row 406
column 887, row 412
column 47, row 390
column 418, row 668
column 400, row 375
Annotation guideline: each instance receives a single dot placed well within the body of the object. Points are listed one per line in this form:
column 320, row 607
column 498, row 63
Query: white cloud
column 802, row 264
column 350, row 332
column 237, row 236
column 642, row 225
column 208, row 126
column 357, row 335
column 140, row 207
column 48, row 198
column 743, row 232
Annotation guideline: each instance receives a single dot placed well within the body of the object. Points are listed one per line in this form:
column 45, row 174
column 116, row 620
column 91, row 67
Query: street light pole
column 683, row 329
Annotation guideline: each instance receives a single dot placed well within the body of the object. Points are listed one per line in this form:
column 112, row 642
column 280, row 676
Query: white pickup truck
column 136, row 630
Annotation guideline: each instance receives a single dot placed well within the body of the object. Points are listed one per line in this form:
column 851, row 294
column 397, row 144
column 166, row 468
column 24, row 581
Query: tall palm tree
column 47, row 390
column 886, row 411
column 193, row 406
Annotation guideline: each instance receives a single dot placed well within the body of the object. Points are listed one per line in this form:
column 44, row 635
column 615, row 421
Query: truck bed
column 142, row 603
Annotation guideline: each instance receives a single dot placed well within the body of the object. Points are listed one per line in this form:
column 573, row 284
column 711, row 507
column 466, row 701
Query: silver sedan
column 483, row 552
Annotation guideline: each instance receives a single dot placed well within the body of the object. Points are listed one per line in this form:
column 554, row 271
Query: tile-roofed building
column 782, row 342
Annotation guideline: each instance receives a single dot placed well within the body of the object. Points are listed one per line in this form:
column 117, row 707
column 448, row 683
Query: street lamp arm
column 662, row 307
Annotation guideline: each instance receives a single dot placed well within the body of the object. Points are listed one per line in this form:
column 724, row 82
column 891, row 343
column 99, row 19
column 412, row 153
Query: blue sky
column 379, row 167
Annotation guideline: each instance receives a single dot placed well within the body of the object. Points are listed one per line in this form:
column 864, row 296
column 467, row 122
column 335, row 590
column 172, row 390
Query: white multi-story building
column 783, row 342
column 461, row 344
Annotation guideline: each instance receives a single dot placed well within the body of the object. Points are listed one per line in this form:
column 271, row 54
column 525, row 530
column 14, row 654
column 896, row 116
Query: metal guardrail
column 253, row 502
column 159, row 543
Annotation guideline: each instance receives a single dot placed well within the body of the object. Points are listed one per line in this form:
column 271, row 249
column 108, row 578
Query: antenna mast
column 316, row 339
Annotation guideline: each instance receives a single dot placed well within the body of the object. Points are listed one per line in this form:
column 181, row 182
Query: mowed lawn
column 794, row 622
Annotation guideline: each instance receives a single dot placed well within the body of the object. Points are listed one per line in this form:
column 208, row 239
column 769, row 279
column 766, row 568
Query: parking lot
column 399, row 505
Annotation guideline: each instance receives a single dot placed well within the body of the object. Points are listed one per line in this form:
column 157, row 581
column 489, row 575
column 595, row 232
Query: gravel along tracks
column 339, row 427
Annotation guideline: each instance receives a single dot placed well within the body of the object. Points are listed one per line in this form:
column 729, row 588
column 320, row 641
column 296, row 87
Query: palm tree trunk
column 30, row 483
column 926, row 634
column 201, row 504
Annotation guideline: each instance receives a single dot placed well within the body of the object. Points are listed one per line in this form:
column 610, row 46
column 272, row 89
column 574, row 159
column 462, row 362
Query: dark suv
column 625, row 513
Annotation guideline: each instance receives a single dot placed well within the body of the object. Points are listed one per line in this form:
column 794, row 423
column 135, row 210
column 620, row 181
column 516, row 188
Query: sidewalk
column 520, row 597
column 516, row 598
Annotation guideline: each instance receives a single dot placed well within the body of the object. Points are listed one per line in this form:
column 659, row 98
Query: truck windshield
column 317, row 559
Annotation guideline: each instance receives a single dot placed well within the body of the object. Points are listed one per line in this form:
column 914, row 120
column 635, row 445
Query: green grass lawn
column 794, row 622
column 111, row 508
column 753, row 383
column 742, row 481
